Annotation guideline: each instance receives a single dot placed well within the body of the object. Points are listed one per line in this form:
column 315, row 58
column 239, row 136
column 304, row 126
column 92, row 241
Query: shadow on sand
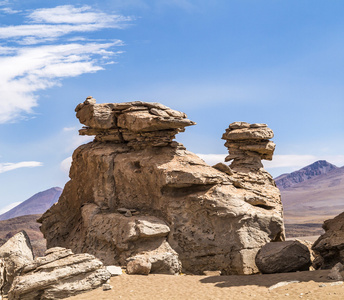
column 266, row 280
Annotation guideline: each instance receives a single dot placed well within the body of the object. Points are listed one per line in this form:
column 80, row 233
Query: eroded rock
column 134, row 192
column 15, row 254
column 57, row 275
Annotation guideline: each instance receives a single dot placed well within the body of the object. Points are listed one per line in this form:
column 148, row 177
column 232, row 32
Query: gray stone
column 282, row 257
column 329, row 246
column 335, row 272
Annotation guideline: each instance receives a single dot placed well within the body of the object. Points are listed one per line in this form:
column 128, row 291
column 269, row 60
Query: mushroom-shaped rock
column 136, row 193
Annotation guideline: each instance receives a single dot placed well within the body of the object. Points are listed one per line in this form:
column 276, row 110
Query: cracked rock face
column 137, row 195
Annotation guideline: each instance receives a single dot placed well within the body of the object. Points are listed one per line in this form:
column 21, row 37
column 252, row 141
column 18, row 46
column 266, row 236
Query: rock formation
column 135, row 195
column 59, row 274
column 330, row 245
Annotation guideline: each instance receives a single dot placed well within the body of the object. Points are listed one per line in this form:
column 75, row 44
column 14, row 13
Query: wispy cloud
column 9, row 207
column 8, row 10
column 65, row 164
column 36, row 57
column 5, row 167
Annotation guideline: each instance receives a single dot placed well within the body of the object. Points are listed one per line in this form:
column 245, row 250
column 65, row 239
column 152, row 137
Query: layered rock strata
column 136, row 195
column 58, row 275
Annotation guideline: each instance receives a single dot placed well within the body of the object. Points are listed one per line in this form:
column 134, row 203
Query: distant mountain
column 318, row 196
column 9, row 228
column 37, row 204
column 320, row 167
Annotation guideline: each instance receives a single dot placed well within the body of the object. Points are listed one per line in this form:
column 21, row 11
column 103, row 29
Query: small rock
column 122, row 210
column 139, row 265
column 128, row 214
column 106, row 287
column 114, row 270
column 322, row 285
column 335, row 272
column 212, row 273
column 223, row 168
column 282, row 283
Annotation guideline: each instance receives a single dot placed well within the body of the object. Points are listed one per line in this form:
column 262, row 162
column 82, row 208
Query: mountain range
column 311, row 195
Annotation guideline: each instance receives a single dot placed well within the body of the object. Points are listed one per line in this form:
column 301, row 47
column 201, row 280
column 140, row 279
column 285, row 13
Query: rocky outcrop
column 15, row 254
column 59, row 274
column 330, row 245
column 282, row 257
column 137, row 195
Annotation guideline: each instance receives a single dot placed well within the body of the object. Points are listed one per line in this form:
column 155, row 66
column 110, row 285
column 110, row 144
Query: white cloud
column 4, row 2
column 9, row 207
column 69, row 128
column 8, row 10
column 29, row 68
column 212, row 159
column 5, row 167
column 77, row 15
column 65, row 164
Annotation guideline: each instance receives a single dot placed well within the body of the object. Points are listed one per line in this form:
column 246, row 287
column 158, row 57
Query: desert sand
column 311, row 285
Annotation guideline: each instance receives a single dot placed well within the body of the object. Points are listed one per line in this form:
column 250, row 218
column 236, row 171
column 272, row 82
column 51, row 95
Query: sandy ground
column 312, row 285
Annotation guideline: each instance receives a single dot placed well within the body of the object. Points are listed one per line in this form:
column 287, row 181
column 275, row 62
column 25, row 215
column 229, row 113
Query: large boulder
column 282, row 257
column 134, row 192
column 330, row 245
column 15, row 254
column 59, row 274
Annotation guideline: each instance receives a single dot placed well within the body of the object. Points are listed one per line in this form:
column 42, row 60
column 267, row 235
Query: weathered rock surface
column 134, row 192
column 335, row 272
column 15, row 254
column 330, row 245
column 57, row 275
column 282, row 257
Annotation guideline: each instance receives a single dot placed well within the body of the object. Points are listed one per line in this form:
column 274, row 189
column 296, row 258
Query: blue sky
column 220, row 61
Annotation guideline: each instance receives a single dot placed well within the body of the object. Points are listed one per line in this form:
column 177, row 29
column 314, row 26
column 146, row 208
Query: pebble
column 106, row 287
